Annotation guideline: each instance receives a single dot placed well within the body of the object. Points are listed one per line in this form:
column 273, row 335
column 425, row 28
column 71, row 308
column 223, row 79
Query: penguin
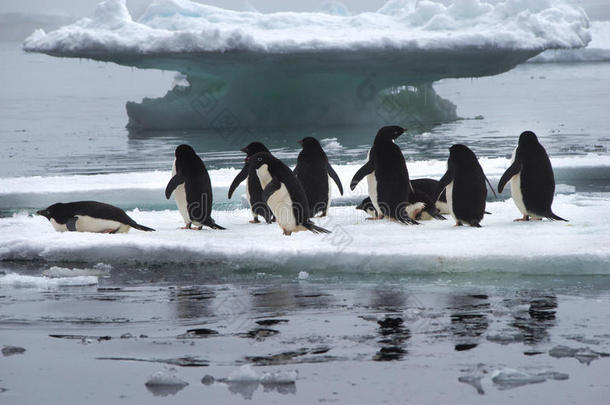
column 284, row 194
column 90, row 216
column 193, row 189
column 253, row 186
column 315, row 174
column 429, row 187
column 532, row 183
column 421, row 206
column 387, row 177
column 465, row 186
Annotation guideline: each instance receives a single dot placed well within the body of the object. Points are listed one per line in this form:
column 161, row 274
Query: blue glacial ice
column 247, row 69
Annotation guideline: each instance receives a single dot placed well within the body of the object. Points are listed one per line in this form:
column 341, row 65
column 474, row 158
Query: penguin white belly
column 414, row 209
column 515, row 191
column 330, row 193
column 58, row 227
column 449, row 194
column 372, row 184
column 180, row 196
column 86, row 223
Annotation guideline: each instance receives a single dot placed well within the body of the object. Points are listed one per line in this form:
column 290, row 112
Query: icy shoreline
column 577, row 247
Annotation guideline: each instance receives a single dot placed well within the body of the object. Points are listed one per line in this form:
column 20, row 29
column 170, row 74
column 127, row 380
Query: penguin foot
column 286, row 233
column 255, row 221
column 197, row 228
column 524, row 219
column 188, row 226
column 458, row 223
column 374, row 218
column 109, row 230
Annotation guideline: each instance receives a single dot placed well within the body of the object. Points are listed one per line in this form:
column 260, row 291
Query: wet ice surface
column 189, row 332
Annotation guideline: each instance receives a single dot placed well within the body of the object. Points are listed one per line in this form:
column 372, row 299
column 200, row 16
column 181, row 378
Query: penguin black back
column 313, row 172
column 393, row 185
column 468, row 189
column 191, row 171
column 537, row 180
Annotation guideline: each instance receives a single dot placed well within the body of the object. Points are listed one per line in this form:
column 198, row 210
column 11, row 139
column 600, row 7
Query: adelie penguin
column 464, row 183
column 284, row 194
column 388, row 178
column 192, row 189
column 315, row 174
column 254, row 191
column 90, row 216
column 532, row 183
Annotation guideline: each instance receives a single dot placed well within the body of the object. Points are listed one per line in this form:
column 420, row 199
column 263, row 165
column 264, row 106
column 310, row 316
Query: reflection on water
column 469, row 319
column 534, row 315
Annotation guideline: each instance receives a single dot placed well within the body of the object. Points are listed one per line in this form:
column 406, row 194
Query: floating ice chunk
column 103, row 266
column 331, row 145
column 598, row 50
column 583, row 354
column 244, row 374
column 510, row 378
column 58, row 272
column 247, row 374
column 18, row 280
column 165, row 377
column 279, row 377
column 303, row 275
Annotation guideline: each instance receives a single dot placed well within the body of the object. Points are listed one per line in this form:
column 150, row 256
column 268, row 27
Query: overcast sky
column 597, row 9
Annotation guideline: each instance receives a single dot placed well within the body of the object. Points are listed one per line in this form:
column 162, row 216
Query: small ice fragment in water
column 11, row 350
column 583, row 354
column 475, row 381
column 126, row 336
column 280, row 377
column 510, row 378
column 244, row 374
column 554, row 375
column 163, row 383
column 303, row 275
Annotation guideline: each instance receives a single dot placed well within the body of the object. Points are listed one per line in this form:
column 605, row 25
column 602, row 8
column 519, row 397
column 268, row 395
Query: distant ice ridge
column 598, row 50
column 318, row 68
column 222, row 178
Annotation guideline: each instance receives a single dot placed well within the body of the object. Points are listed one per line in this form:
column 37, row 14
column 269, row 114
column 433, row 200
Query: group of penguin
column 292, row 197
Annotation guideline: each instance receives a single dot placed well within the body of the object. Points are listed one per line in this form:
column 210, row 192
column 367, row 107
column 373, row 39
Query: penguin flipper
column 363, row 171
column 241, row 176
column 514, row 169
column 71, row 224
column 173, row 183
column 333, row 175
column 271, row 188
column 315, row 228
column 443, row 182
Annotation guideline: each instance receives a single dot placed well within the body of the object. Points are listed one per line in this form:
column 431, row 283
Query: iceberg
column 598, row 50
column 245, row 69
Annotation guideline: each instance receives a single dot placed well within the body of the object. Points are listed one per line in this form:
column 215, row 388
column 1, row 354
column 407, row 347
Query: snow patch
column 18, row 280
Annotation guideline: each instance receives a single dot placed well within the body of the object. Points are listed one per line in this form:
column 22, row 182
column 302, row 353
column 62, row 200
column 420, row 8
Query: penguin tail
column 407, row 220
column 437, row 215
column 142, row 227
column 554, row 217
column 212, row 224
column 315, row 228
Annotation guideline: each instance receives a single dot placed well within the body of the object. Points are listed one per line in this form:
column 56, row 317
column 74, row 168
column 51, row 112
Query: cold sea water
column 377, row 313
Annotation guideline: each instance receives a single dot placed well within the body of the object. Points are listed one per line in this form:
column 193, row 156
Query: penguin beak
column 401, row 132
column 44, row 213
column 300, row 142
column 245, row 150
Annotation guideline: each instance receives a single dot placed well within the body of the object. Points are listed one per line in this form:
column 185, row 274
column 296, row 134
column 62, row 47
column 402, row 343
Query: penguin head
column 254, row 148
column 528, row 138
column 311, row 146
column 51, row 211
column 389, row 133
column 259, row 159
column 187, row 159
column 461, row 154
